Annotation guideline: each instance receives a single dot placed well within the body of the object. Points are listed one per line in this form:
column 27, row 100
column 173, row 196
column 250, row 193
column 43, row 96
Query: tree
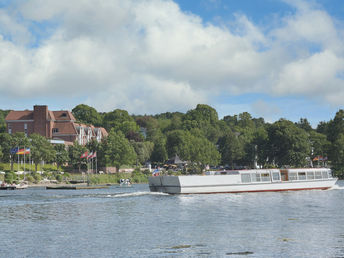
column 320, row 144
column 3, row 114
column 114, row 119
column 75, row 151
column 304, row 124
column 231, row 148
column 159, row 152
column 41, row 149
column 117, row 150
column 337, row 156
column 143, row 150
column 192, row 146
column 288, row 144
column 203, row 113
column 87, row 115
column 336, row 126
column 61, row 155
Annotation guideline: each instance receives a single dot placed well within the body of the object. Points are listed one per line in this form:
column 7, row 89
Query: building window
column 25, row 129
column 64, row 115
column 55, row 130
column 9, row 128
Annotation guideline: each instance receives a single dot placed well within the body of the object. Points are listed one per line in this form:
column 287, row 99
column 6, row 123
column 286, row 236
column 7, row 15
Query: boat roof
column 307, row 169
column 270, row 170
column 257, row 170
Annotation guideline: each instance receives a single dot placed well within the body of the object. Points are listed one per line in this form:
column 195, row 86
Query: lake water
column 132, row 222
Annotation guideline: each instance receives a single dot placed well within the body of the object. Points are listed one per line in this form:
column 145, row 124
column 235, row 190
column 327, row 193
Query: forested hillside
column 199, row 136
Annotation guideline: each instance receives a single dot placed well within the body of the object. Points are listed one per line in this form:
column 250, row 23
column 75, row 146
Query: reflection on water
column 133, row 222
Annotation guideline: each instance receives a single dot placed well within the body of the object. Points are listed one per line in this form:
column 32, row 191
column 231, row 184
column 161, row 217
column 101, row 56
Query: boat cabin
column 277, row 175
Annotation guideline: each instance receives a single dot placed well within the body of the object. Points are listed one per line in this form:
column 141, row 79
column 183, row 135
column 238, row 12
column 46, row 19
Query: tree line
column 197, row 136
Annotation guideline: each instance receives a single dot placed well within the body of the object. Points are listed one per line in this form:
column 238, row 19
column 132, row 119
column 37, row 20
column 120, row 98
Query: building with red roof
column 59, row 126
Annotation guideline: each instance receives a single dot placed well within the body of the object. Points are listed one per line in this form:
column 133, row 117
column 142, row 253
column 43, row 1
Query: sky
column 272, row 58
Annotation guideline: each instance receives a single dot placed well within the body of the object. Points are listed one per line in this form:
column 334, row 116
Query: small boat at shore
column 5, row 186
column 124, row 182
column 238, row 181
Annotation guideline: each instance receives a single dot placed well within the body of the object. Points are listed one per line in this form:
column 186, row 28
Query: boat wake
column 121, row 195
column 336, row 187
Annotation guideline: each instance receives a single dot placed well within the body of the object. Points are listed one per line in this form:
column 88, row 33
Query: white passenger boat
column 237, row 181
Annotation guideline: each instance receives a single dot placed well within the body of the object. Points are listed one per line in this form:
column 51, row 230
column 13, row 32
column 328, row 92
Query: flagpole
column 24, row 160
column 18, row 159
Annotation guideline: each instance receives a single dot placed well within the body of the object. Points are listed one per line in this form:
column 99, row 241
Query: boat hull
column 230, row 184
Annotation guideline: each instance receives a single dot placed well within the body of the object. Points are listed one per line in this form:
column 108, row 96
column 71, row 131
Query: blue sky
column 274, row 59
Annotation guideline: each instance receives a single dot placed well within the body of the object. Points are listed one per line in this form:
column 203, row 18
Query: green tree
column 61, row 155
column 231, row 148
column 87, row 115
column 3, row 114
column 75, row 152
column 337, row 155
column 41, row 149
column 117, row 150
column 288, row 144
column 192, row 146
column 114, row 119
column 7, row 143
column 304, row 124
column 320, row 144
column 143, row 151
column 159, row 152
column 203, row 113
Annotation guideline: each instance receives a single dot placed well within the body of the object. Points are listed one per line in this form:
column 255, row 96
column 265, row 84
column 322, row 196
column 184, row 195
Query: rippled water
column 132, row 222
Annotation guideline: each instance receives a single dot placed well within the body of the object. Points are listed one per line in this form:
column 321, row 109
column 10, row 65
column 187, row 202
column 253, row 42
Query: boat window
column 223, row 173
column 255, row 177
column 324, row 174
column 310, row 175
column 302, row 175
column 265, row 177
column 292, row 176
column 245, row 178
column 318, row 175
column 275, row 176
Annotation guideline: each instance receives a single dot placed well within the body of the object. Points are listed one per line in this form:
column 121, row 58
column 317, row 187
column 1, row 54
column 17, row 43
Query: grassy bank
column 7, row 167
column 49, row 175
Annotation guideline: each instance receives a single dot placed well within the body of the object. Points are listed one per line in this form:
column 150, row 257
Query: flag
column 84, row 155
column 89, row 156
column 23, row 151
column 14, row 150
column 94, row 155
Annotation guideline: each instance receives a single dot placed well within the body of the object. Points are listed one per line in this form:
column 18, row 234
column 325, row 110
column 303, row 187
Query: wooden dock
column 76, row 187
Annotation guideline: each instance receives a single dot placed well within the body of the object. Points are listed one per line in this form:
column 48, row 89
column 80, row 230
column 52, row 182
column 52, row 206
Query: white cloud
column 148, row 56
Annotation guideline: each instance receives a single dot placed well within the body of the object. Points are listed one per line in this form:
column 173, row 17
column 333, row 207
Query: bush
column 138, row 177
column 30, row 178
column 37, row 177
column 58, row 177
column 10, row 177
